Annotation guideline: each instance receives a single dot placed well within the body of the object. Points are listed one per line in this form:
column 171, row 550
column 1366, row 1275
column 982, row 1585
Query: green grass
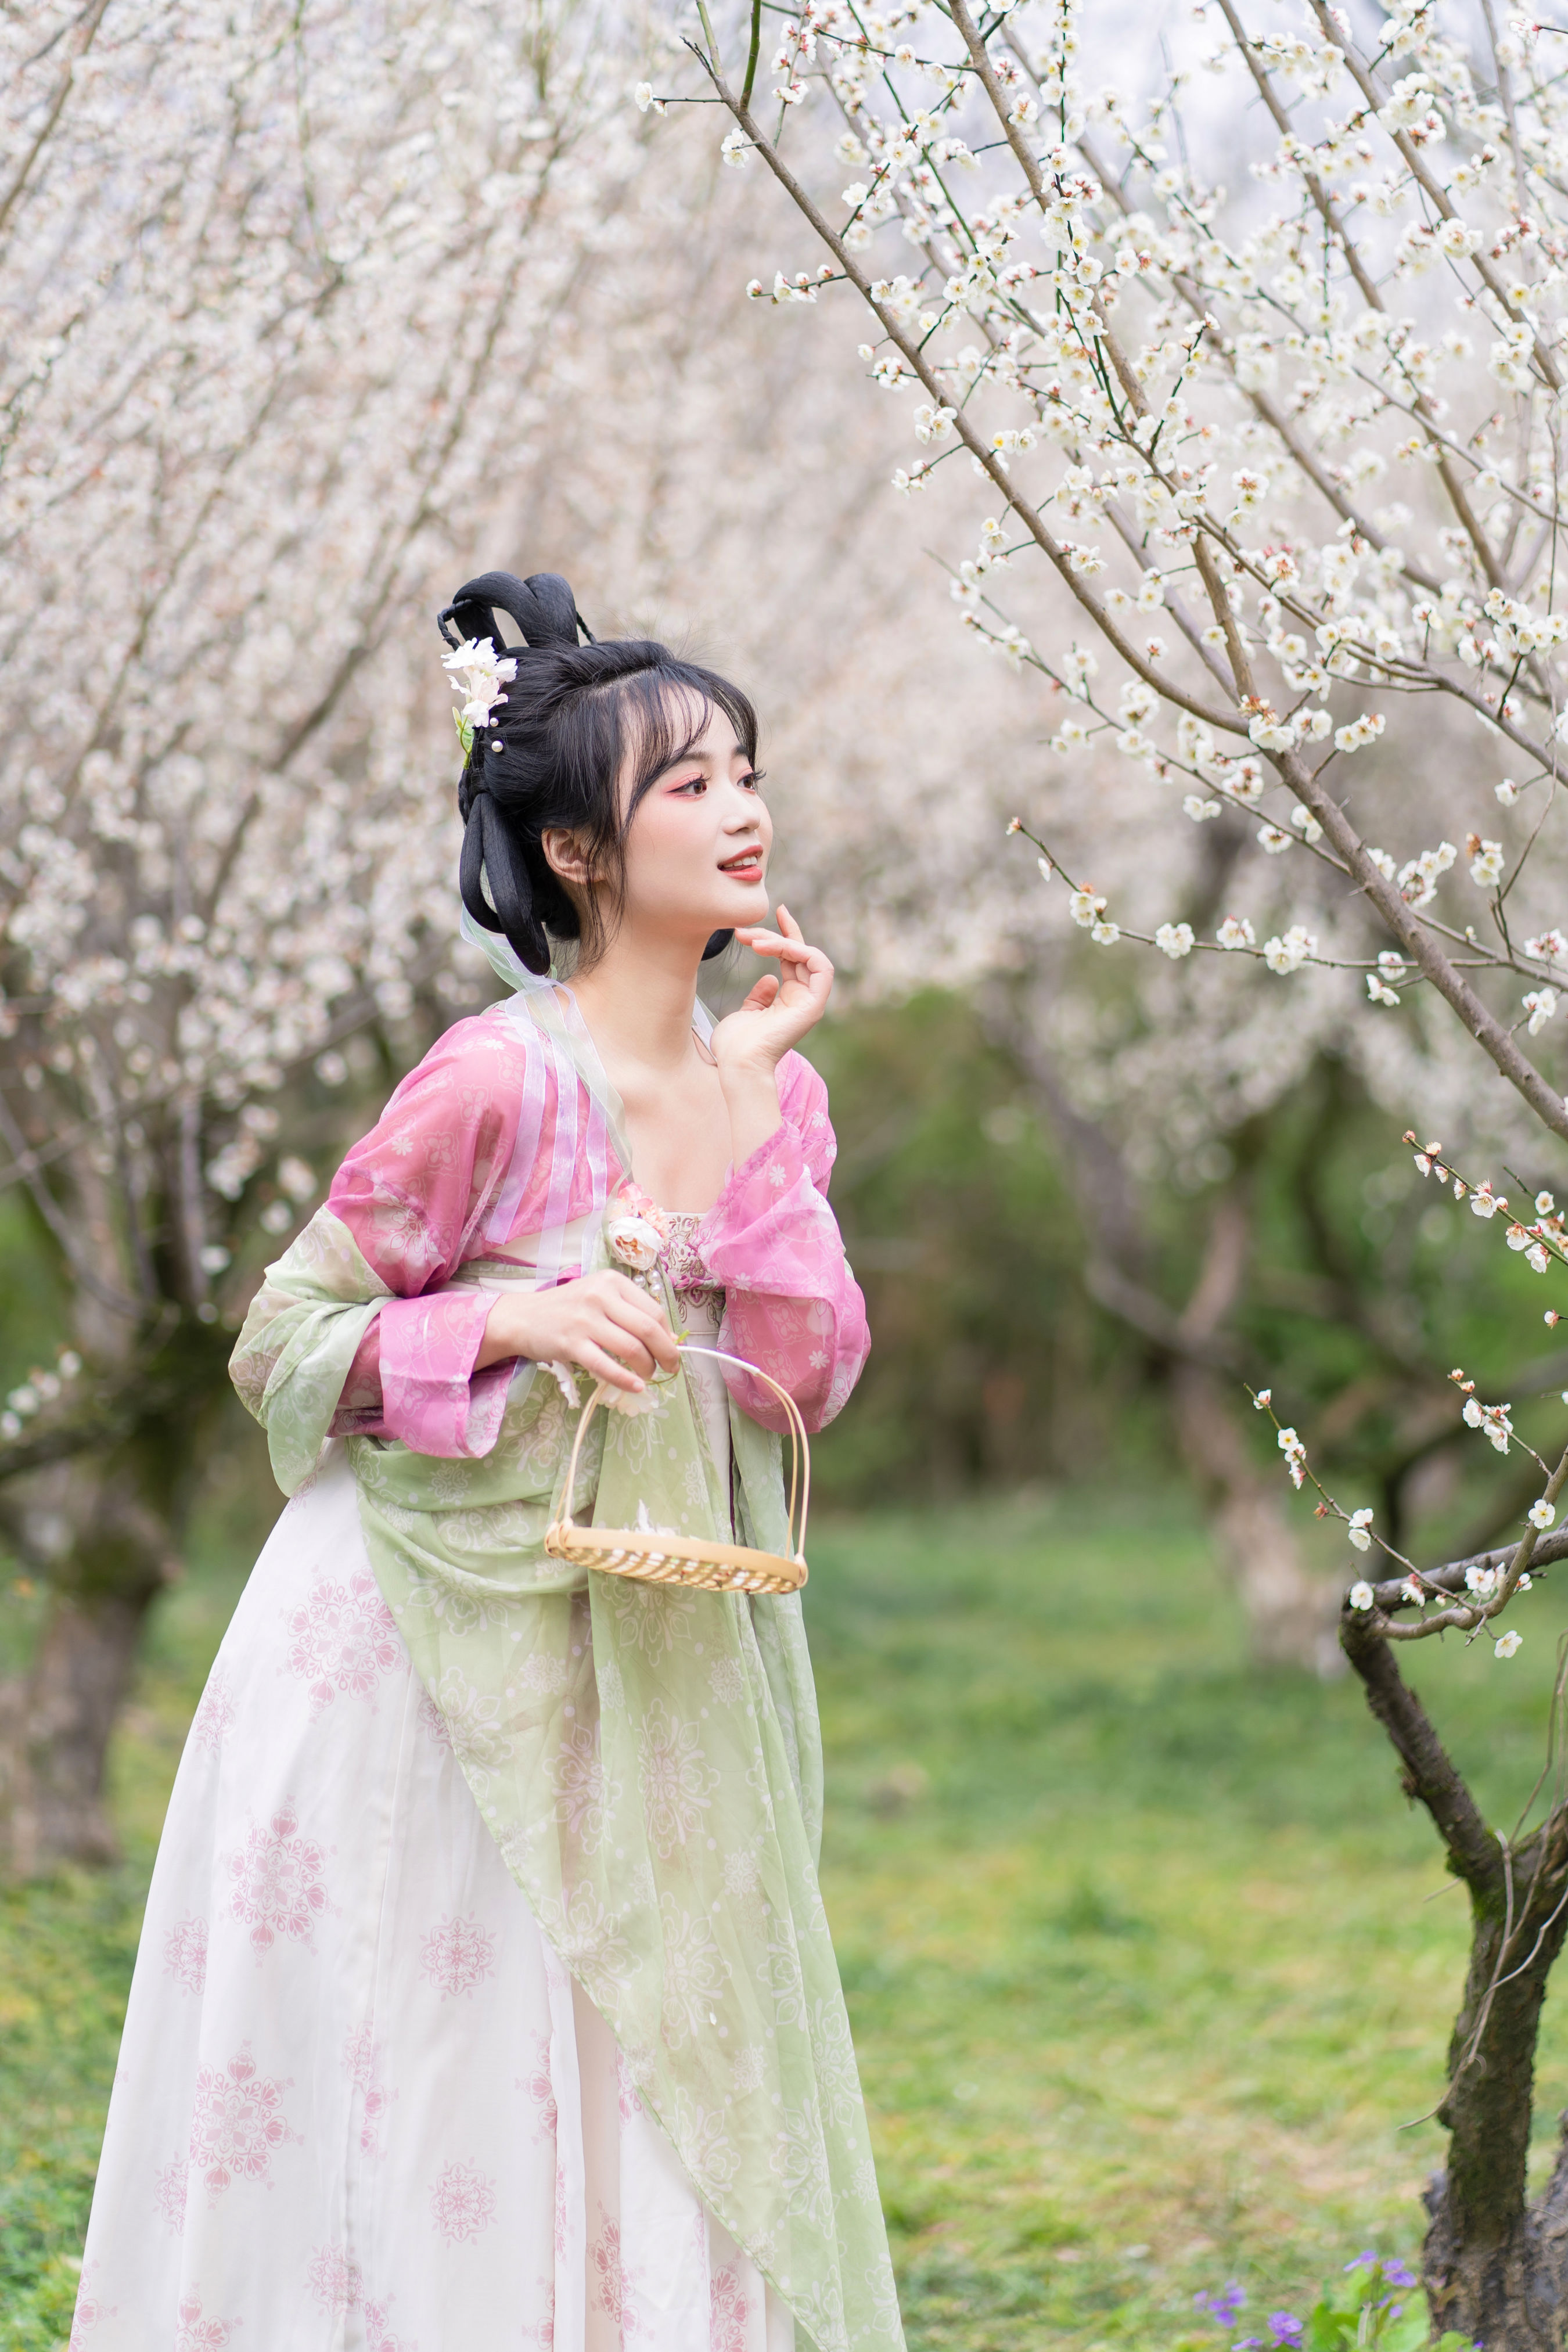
column 1148, row 1959
column 66, row 1952
column 1148, row 1981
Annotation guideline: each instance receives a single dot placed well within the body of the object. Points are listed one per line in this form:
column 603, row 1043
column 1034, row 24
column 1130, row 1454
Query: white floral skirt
column 359, row 2105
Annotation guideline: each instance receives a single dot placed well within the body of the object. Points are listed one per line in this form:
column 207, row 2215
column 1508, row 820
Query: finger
column 634, row 1308
column 605, row 1368
column 762, row 994
column 802, row 966
column 624, row 1292
column 644, row 1334
column 788, row 936
column 646, row 1352
column 645, row 1311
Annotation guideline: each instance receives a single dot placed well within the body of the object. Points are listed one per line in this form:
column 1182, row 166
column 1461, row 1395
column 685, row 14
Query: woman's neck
column 638, row 1002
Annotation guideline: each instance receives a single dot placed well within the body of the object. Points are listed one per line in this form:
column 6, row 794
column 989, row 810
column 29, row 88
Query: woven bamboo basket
column 693, row 1562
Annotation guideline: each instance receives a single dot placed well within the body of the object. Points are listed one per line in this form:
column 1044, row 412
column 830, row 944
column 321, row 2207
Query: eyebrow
column 704, row 760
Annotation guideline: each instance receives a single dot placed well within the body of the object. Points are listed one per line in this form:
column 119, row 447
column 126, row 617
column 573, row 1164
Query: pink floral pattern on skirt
column 237, row 2122
column 277, row 1887
column 343, row 1640
column 462, row 2202
column 185, row 1954
column 456, row 1957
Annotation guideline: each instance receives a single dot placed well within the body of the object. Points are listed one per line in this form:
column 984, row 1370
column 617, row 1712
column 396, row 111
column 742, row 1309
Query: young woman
column 486, row 1995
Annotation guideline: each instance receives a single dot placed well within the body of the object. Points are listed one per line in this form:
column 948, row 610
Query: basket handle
column 800, row 1449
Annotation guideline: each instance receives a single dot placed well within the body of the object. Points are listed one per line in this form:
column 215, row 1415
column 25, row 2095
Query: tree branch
column 1474, row 1851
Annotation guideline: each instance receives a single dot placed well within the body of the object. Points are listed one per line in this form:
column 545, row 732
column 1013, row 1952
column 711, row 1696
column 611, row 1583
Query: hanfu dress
column 484, row 1998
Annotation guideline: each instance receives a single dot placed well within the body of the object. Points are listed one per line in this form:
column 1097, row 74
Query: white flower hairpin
column 478, row 673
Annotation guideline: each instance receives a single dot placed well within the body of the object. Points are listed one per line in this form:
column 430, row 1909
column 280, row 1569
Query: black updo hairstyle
column 552, row 752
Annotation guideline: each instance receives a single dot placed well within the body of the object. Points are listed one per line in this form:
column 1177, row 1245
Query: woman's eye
column 693, row 785
column 754, row 779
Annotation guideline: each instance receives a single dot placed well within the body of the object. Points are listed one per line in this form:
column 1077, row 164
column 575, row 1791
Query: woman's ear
column 563, row 855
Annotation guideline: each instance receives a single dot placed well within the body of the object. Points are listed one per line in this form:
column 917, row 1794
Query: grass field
column 1148, row 1960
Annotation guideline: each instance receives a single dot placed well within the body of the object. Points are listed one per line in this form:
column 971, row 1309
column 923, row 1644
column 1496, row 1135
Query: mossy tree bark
column 109, row 1489
column 1496, row 2263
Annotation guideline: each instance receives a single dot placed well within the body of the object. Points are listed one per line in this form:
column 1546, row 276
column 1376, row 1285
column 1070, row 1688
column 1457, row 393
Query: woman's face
column 697, row 849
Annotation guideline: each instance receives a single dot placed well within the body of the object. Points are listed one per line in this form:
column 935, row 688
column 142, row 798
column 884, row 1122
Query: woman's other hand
column 782, row 1007
column 602, row 1322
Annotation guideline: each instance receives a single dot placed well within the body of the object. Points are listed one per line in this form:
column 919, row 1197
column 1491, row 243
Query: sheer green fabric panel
column 650, row 1763
column 300, row 1340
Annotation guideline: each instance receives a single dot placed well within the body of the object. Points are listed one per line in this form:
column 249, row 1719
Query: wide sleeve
column 354, row 1331
column 792, row 1306
column 305, row 1325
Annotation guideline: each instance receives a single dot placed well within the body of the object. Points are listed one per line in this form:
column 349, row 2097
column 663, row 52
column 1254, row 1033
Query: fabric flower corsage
column 634, row 1242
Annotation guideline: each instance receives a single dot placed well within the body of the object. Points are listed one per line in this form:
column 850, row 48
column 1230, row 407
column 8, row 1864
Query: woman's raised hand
column 783, row 1006
column 602, row 1322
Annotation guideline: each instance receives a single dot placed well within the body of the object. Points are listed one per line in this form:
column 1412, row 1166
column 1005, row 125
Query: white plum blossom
column 1492, row 1421
column 1175, row 939
column 1289, row 952
column 256, row 437
column 1362, row 1595
column 1236, row 932
column 1360, row 1522
column 1541, row 1513
column 1419, row 877
column 1505, row 1647
column 1168, row 397
column 1295, row 1454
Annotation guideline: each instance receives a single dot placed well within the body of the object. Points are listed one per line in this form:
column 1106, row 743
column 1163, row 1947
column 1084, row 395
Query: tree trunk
column 1290, row 1614
column 56, row 1720
column 1496, row 2267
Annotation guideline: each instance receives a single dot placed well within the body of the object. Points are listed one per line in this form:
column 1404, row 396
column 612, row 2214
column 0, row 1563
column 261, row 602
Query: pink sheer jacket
column 419, row 1196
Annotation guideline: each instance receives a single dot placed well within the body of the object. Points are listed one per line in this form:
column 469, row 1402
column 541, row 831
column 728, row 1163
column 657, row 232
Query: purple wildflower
column 1397, row 2275
column 1288, row 2329
column 1223, row 2307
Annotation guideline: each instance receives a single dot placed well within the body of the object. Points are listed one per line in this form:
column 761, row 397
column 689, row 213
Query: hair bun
column 542, row 605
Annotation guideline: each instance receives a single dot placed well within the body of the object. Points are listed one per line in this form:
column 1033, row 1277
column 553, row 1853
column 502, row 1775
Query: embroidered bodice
column 682, row 1257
